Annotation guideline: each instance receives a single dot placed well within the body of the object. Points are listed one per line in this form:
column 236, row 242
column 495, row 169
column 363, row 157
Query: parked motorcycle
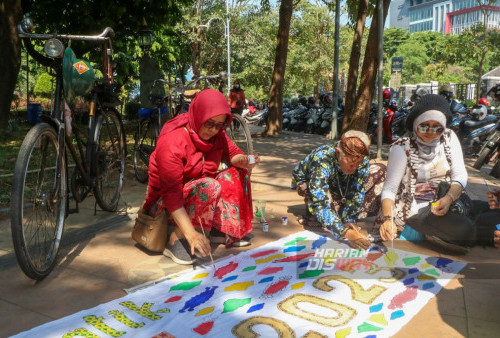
column 474, row 128
column 490, row 152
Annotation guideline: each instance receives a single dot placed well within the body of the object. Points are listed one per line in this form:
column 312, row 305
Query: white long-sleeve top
column 427, row 171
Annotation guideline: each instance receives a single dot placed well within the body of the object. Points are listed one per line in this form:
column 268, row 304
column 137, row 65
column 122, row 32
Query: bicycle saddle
column 190, row 94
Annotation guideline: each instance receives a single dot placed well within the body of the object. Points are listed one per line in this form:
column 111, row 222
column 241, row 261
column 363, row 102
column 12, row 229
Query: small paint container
column 284, row 220
column 251, row 159
column 498, row 227
column 434, row 206
column 265, row 226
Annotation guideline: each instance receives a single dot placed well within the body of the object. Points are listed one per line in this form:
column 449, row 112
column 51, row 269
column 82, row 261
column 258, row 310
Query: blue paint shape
column 294, row 248
column 374, row 248
column 428, row 285
column 371, row 336
column 408, row 281
column 255, row 307
column 319, row 242
column 303, row 265
column 397, row 314
column 412, row 270
column 199, row 299
column 267, row 279
column 443, row 262
column 230, row 278
column 376, row 308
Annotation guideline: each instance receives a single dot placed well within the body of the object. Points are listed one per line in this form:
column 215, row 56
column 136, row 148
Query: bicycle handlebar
column 103, row 37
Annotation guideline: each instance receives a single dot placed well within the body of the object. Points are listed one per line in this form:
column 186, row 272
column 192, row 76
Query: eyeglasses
column 424, row 128
column 211, row 124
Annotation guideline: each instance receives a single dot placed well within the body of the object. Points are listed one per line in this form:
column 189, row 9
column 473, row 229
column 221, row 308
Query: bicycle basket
column 78, row 76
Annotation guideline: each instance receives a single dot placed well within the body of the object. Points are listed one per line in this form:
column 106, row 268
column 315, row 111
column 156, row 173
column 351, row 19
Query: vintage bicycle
column 149, row 127
column 40, row 196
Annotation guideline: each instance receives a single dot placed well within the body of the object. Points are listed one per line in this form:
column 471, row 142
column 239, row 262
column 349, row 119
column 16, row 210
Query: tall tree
column 274, row 120
column 359, row 118
column 352, row 77
column 10, row 56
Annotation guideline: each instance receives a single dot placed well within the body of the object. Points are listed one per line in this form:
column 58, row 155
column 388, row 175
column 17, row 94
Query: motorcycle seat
column 473, row 124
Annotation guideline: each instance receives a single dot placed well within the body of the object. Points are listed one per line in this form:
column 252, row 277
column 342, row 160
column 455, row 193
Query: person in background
column 184, row 180
column 343, row 172
column 486, row 217
column 237, row 100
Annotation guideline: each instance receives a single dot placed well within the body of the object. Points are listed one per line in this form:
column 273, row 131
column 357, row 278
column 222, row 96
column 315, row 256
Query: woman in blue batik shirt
column 342, row 172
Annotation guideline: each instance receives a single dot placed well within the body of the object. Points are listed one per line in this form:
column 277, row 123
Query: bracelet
column 452, row 196
column 387, row 218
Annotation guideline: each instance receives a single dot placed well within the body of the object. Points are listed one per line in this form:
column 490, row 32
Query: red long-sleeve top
column 177, row 161
column 236, row 98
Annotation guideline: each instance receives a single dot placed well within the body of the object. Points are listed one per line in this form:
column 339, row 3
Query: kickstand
column 95, row 207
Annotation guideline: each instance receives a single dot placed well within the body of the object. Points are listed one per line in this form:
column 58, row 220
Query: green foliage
column 43, row 86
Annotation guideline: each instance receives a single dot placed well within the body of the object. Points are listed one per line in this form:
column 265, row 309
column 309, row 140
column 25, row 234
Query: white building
column 445, row 16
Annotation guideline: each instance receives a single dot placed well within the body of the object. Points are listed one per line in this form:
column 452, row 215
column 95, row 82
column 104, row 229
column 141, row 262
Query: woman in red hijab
column 184, row 179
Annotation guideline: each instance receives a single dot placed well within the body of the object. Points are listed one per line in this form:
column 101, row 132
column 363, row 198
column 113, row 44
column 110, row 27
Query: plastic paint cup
column 284, row 220
column 265, row 226
column 498, row 227
column 251, row 159
column 434, row 205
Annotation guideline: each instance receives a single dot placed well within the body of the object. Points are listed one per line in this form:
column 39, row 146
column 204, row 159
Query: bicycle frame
column 56, row 117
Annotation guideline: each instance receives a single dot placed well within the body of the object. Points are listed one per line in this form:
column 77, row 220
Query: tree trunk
column 275, row 118
column 479, row 76
column 10, row 56
column 352, row 77
column 358, row 120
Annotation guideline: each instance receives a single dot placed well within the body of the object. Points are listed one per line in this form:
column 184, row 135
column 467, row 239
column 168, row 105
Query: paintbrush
column 203, row 230
column 392, row 227
column 489, row 190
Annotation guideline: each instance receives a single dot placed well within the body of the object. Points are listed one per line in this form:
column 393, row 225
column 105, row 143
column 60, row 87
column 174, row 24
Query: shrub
column 43, row 85
column 132, row 110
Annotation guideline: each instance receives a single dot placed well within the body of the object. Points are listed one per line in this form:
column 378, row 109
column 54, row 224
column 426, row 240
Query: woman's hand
column 493, row 199
column 241, row 161
column 443, row 206
column 199, row 242
column 388, row 230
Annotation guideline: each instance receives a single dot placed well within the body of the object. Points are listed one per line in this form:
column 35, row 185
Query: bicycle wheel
column 145, row 143
column 38, row 203
column 109, row 159
column 239, row 133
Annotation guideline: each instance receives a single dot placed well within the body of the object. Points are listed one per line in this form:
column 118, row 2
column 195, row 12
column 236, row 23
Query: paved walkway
column 99, row 259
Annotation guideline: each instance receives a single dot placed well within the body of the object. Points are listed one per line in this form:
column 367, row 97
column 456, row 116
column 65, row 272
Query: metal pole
column 228, row 48
column 333, row 131
column 380, row 7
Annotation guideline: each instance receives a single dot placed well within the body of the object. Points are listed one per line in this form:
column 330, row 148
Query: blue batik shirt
column 319, row 170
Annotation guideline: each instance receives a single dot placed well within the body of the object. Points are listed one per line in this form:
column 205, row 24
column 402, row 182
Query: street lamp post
column 226, row 35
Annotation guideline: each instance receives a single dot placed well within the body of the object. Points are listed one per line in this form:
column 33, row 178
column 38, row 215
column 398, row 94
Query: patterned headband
column 355, row 143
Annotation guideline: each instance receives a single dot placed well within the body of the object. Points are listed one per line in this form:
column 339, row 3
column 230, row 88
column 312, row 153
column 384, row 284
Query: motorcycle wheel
column 487, row 151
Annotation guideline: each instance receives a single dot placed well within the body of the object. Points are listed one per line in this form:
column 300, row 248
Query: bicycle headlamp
column 54, row 48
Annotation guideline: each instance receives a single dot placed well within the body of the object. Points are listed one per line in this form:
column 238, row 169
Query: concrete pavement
column 99, row 259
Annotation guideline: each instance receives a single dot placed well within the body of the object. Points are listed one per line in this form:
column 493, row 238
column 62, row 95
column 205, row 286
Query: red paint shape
column 276, row 287
column 204, row 328
column 374, row 256
column 173, row 299
column 404, row 297
column 263, row 253
column 295, row 258
column 221, row 272
column 268, row 271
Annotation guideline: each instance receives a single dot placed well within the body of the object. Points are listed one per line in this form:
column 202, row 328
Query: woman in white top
column 416, row 166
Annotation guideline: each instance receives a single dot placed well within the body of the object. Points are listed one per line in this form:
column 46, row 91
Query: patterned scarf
column 406, row 190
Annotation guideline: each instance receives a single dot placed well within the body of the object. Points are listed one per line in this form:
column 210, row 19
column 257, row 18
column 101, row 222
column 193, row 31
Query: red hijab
column 207, row 104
